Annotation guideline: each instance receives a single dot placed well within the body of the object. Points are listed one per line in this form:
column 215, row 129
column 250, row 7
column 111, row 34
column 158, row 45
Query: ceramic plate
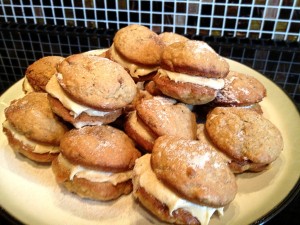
column 28, row 191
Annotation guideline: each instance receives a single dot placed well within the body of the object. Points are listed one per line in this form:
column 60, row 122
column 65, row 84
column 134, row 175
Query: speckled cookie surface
column 100, row 147
column 139, row 44
column 32, row 116
column 244, row 134
column 194, row 58
column 39, row 72
column 185, row 92
column 169, row 38
column 240, row 89
column 193, row 170
column 96, row 82
column 163, row 116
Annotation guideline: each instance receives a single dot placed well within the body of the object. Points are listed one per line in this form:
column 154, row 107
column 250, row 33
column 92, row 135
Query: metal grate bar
column 269, row 19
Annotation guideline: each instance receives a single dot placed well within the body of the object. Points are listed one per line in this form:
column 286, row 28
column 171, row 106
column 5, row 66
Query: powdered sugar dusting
column 202, row 47
column 199, row 161
column 192, row 153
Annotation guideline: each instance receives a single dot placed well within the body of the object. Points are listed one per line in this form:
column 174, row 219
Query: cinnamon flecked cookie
column 165, row 116
column 191, row 72
column 32, row 128
column 96, row 82
column 170, row 37
column 92, row 89
column 251, row 141
column 240, row 90
column 96, row 162
column 138, row 49
column 39, row 72
column 159, row 116
column 183, row 181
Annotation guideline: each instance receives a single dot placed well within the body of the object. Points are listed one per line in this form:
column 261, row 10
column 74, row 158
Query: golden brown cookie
column 39, row 73
column 191, row 72
column 152, row 89
column 169, row 38
column 185, row 92
column 32, row 128
column 96, row 162
column 95, row 94
column 138, row 44
column 240, row 90
column 163, row 116
column 138, row 50
column 99, row 147
column 203, row 137
column 203, row 183
column 193, row 170
column 249, row 139
column 139, row 132
column 195, row 58
column 96, row 82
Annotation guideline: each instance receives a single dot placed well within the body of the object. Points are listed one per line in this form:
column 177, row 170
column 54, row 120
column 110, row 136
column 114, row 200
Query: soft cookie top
column 194, row 58
column 193, row 170
column 163, row 116
column 96, row 82
column 240, row 89
column 169, row 38
column 244, row 134
column 102, row 148
column 33, row 117
column 139, row 44
column 39, row 73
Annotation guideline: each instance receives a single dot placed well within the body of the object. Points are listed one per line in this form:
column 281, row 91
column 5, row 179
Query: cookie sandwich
column 183, row 181
column 138, row 49
column 90, row 90
column 158, row 116
column 191, row 72
column 96, row 162
column 250, row 140
column 32, row 129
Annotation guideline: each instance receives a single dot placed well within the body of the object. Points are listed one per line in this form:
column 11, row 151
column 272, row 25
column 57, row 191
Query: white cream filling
column 80, row 124
column 215, row 83
column 94, row 175
column 27, row 86
column 37, row 147
column 144, row 177
column 134, row 70
column 54, row 89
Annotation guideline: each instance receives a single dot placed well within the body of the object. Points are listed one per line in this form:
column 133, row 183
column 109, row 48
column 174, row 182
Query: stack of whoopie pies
column 126, row 120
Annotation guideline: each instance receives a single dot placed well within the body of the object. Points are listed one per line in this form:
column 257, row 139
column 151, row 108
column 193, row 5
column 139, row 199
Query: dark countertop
column 21, row 44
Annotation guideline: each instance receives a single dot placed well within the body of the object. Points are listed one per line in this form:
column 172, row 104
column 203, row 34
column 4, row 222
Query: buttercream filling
column 54, row 89
column 134, row 70
column 37, row 147
column 94, row 175
column 215, row 83
column 145, row 177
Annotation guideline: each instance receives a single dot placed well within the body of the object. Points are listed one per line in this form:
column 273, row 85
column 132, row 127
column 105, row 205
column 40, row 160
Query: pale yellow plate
column 28, row 191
